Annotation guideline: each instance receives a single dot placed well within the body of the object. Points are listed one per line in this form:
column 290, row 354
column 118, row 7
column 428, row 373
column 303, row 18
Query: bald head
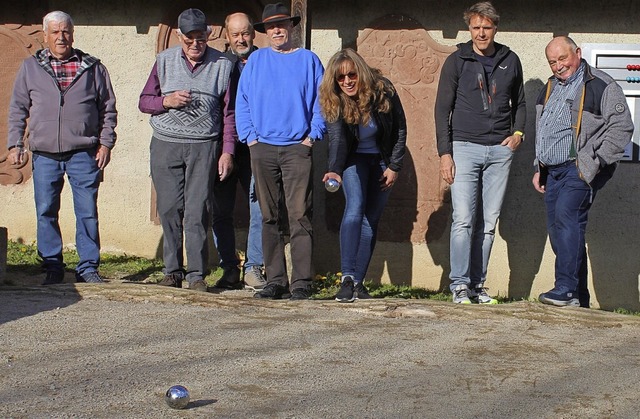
column 240, row 34
column 564, row 57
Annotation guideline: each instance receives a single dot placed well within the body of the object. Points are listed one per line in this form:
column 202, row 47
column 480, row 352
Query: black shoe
column 360, row 292
column 54, row 277
column 89, row 277
column 300, row 294
column 272, row 291
column 346, row 293
column 230, row 280
column 173, row 279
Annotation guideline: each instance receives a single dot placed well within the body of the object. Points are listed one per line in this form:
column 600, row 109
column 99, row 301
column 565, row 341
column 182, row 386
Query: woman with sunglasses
column 367, row 134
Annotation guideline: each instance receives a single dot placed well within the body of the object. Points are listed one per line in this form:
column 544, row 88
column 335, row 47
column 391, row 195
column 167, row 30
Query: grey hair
column 484, row 9
column 56, row 16
column 570, row 42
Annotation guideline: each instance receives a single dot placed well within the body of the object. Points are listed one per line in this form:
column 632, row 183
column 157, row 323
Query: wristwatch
column 311, row 140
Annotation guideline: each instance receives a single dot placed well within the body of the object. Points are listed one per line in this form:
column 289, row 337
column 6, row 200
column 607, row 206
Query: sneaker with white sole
column 360, row 292
column 254, row 278
column 461, row 295
column 559, row 298
column 346, row 292
column 478, row 294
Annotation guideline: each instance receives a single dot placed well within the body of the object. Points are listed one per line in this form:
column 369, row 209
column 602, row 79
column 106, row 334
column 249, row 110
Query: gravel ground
column 92, row 351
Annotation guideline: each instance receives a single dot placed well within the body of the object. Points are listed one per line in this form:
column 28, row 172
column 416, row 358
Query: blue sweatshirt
column 277, row 101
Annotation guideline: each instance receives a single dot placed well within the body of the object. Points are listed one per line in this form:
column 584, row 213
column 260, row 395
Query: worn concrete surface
column 113, row 350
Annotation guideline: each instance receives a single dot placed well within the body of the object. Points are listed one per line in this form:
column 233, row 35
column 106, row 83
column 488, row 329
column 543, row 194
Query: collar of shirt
column 575, row 76
column 72, row 57
column 190, row 65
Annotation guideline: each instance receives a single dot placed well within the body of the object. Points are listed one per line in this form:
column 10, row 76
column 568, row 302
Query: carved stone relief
column 17, row 42
column 405, row 53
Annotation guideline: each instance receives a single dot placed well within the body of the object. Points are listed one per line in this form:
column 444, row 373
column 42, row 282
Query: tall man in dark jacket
column 583, row 125
column 480, row 118
column 67, row 96
column 240, row 35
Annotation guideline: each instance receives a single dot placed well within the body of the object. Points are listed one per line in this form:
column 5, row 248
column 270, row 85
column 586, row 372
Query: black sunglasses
column 352, row 76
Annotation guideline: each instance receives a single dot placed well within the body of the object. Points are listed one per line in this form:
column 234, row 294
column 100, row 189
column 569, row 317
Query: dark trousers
column 285, row 172
column 182, row 174
column 568, row 199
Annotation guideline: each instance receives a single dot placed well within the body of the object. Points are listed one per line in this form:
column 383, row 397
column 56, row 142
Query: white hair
column 56, row 16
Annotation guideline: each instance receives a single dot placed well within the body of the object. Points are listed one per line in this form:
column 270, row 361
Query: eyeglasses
column 352, row 76
column 189, row 41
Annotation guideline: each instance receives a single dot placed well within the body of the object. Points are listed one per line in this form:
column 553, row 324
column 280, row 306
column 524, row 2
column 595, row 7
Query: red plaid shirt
column 65, row 70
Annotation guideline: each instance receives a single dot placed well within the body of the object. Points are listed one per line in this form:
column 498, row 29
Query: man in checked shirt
column 68, row 99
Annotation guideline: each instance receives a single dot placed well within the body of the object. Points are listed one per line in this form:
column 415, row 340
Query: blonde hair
column 373, row 91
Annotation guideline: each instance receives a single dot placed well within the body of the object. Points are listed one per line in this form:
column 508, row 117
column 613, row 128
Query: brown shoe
column 198, row 285
column 172, row 280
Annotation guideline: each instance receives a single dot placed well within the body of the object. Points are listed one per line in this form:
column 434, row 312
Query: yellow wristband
column 520, row 133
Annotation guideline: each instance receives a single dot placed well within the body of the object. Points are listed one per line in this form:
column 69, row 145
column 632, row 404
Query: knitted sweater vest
column 201, row 120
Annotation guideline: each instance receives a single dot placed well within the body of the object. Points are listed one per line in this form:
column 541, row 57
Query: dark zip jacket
column 391, row 138
column 477, row 108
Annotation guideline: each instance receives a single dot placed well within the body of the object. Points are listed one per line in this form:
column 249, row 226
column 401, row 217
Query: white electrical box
column 622, row 62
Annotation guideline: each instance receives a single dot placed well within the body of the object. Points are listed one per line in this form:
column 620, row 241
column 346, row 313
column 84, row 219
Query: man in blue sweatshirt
column 278, row 116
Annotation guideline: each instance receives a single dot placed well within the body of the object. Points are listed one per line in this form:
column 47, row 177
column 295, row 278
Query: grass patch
column 325, row 287
column 22, row 257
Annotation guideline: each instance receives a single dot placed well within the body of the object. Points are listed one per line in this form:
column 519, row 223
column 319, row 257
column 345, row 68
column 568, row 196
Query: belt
column 561, row 165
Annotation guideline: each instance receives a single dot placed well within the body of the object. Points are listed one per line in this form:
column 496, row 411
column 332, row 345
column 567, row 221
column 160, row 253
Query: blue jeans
column 254, row 238
column 253, row 256
column 224, row 197
column 365, row 202
column 568, row 200
column 48, row 179
column 477, row 193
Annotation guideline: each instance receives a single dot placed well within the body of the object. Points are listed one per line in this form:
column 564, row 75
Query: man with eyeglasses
column 278, row 116
column 188, row 97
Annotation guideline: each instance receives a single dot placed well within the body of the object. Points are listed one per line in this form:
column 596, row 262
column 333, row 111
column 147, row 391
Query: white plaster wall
column 125, row 196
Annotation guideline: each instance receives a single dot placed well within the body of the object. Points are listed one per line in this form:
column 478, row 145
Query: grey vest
column 202, row 119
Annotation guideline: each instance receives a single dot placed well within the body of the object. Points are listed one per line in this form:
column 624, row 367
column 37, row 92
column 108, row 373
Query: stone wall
column 407, row 40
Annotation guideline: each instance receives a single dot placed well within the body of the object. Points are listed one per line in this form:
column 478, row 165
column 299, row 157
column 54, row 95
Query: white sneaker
column 479, row 295
column 460, row 295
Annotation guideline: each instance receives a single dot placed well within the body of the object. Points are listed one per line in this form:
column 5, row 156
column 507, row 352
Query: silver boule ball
column 177, row 397
column 332, row 185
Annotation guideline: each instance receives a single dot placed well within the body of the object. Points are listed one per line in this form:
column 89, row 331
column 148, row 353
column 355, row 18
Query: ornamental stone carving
column 17, row 42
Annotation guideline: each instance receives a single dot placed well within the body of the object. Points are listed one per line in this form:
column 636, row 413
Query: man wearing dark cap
column 187, row 95
column 278, row 116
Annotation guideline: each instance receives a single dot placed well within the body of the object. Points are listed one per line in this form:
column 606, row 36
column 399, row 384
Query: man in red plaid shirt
column 67, row 97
